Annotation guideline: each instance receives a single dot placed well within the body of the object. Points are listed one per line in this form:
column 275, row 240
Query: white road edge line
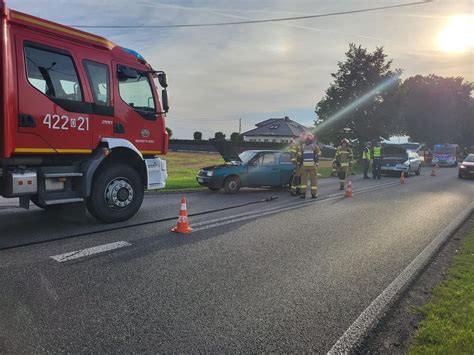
column 89, row 251
column 369, row 318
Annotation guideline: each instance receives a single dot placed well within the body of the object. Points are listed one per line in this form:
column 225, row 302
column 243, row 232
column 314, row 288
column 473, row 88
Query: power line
column 211, row 24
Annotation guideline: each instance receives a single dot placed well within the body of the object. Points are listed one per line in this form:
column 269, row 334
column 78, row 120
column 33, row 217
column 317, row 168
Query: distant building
column 276, row 130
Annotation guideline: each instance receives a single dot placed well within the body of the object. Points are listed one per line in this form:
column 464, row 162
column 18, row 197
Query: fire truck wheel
column 117, row 193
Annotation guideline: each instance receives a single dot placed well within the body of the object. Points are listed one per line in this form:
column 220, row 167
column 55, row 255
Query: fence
column 188, row 145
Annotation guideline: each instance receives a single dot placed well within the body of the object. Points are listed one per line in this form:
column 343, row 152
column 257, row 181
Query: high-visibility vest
column 310, row 154
column 366, row 155
column 377, row 152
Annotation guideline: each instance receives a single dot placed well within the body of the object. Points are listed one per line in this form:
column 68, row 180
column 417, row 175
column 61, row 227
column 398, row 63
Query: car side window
column 52, row 73
column 98, row 76
column 269, row 159
column 285, row 158
column 258, row 160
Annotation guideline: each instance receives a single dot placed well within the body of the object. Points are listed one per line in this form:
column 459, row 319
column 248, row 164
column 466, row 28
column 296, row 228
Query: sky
column 218, row 75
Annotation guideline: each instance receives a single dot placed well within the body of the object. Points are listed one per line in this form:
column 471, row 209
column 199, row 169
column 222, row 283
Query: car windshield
column 444, row 150
column 470, row 158
column 246, row 156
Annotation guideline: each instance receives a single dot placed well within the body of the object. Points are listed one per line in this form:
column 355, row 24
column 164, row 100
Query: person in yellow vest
column 343, row 160
column 377, row 162
column 310, row 153
column 296, row 160
column 366, row 158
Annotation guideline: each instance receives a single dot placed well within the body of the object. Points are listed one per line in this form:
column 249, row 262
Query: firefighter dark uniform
column 343, row 161
column 366, row 157
column 377, row 163
column 296, row 160
column 310, row 153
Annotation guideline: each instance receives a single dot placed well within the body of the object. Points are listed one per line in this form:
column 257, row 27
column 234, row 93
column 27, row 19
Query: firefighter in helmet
column 296, row 160
column 310, row 153
column 343, row 162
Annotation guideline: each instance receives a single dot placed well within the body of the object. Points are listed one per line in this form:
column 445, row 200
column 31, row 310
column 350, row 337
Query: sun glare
column 457, row 36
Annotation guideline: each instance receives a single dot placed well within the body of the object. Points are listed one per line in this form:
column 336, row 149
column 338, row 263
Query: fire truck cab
column 81, row 119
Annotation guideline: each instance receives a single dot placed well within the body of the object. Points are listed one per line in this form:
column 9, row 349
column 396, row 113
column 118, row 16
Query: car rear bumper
column 443, row 162
column 395, row 168
column 212, row 182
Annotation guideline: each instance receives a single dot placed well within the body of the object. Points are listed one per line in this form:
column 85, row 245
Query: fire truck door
column 53, row 114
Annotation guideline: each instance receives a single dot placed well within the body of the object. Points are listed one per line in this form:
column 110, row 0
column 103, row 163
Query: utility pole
column 240, row 125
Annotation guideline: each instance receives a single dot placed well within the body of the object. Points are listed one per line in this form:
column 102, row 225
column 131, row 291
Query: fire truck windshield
column 137, row 92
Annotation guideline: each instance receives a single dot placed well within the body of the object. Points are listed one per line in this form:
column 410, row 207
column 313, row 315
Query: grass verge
column 448, row 327
column 183, row 167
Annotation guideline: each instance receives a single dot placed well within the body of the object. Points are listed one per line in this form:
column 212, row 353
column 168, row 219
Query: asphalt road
column 285, row 276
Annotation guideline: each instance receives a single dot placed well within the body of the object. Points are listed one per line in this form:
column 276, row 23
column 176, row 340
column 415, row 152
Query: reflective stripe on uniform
column 344, row 164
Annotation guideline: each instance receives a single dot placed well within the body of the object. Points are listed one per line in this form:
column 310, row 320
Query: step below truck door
column 54, row 116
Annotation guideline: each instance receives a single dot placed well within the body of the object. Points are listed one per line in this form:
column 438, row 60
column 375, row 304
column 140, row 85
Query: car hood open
column 226, row 150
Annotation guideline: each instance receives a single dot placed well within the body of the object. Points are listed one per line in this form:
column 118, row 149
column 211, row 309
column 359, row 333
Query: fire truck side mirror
column 164, row 100
column 163, row 80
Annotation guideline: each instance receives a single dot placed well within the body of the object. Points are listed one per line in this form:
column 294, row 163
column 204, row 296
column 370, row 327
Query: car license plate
column 200, row 180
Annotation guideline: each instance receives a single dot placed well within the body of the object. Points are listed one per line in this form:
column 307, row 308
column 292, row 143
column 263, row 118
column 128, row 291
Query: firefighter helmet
column 345, row 140
column 309, row 138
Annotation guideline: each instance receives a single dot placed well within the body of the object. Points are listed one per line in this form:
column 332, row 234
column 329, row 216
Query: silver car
column 397, row 159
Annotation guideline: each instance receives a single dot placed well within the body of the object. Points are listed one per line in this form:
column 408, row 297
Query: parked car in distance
column 466, row 169
column 397, row 159
column 251, row 168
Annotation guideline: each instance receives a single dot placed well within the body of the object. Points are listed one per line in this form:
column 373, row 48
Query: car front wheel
column 232, row 185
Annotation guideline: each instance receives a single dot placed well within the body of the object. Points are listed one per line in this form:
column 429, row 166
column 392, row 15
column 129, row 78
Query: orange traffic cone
column 182, row 226
column 402, row 178
column 433, row 171
column 349, row 189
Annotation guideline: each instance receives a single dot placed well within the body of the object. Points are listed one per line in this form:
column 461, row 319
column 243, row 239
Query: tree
column 197, row 136
column 170, row 132
column 437, row 109
column 360, row 102
column 236, row 137
column 219, row 136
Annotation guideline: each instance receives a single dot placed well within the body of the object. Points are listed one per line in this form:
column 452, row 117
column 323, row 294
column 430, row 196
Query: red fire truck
column 81, row 120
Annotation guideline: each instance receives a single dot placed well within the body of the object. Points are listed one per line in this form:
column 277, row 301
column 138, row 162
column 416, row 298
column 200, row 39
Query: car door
column 264, row 170
column 54, row 115
column 286, row 168
column 414, row 161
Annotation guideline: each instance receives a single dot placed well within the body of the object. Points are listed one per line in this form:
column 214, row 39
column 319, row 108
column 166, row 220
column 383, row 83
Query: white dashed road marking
column 89, row 251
